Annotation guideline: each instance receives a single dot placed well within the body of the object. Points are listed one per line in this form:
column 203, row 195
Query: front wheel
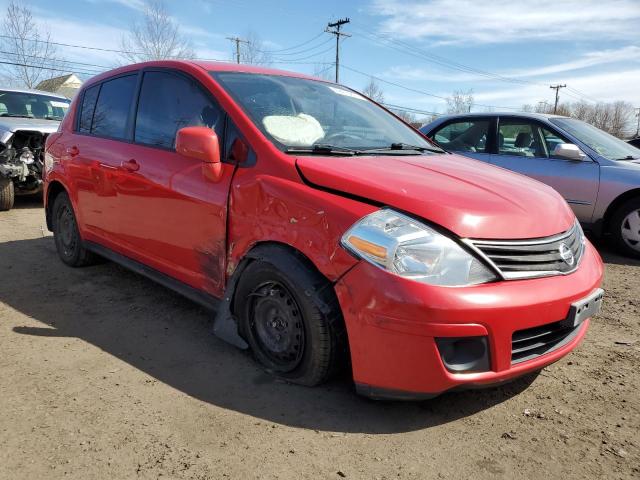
column 291, row 320
column 7, row 194
column 625, row 228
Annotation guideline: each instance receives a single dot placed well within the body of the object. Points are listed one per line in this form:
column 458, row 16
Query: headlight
column 409, row 248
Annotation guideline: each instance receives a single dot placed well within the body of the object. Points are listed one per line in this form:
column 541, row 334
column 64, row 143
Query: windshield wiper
column 403, row 147
column 17, row 115
column 323, row 149
column 628, row 157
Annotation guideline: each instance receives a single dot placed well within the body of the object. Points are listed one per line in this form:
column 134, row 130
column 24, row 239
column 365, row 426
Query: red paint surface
column 169, row 214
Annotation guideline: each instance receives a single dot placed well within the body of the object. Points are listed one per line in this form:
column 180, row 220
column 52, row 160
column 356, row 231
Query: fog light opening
column 464, row 354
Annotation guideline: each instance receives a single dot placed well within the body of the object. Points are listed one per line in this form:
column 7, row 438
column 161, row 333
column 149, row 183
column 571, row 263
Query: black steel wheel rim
column 67, row 231
column 277, row 325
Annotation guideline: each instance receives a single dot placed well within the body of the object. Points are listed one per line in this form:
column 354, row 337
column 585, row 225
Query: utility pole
column 238, row 41
column 557, row 89
column 336, row 31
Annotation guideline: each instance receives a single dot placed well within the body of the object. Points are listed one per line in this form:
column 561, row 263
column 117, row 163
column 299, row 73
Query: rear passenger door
column 97, row 148
column 172, row 217
column 467, row 136
column 526, row 146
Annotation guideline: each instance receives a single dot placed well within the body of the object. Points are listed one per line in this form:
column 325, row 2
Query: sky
column 420, row 52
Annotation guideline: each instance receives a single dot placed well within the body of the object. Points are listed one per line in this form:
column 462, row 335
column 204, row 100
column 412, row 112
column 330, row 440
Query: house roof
column 53, row 84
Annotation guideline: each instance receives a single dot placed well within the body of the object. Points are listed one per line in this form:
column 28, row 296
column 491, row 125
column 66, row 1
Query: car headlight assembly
column 409, row 248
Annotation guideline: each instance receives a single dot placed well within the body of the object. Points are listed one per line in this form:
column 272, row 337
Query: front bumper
column 392, row 324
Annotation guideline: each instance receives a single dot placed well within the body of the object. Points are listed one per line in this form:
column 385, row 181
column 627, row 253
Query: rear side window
column 169, row 102
column 464, row 136
column 88, row 106
column 112, row 108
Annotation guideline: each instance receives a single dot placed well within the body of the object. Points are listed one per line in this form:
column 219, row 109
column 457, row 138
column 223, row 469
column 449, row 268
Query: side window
column 112, row 108
column 88, row 106
column 551, row 140
column 519, row 138
column 169, row 102
column 464, row 136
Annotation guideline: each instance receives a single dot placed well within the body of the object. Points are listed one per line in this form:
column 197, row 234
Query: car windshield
column 32, row 105
column 298, row 114
column 606, row 145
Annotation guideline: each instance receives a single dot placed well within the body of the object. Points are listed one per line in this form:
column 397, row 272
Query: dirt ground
column 106, row 375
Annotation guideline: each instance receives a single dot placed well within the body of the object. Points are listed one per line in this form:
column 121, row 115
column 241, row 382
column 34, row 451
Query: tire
column 7, row 194
column 67, row 236
column 625, row 228
column 291, row 320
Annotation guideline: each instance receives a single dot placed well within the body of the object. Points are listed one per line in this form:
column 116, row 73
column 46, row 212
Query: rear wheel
column 291, row 320
column 7, row 194
column 67, row 236
column 625, row 228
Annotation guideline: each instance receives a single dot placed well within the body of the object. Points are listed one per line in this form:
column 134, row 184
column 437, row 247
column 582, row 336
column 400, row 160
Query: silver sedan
column 597, row 174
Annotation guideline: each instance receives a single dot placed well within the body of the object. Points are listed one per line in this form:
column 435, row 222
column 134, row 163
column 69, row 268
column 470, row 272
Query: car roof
column 207, row 65
column 539, row 116
column 34, row 92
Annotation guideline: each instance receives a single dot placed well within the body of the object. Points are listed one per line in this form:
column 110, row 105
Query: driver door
column 466, row 136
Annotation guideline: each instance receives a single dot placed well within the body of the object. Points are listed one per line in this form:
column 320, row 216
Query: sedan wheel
column 625, row 228
column 630, row 229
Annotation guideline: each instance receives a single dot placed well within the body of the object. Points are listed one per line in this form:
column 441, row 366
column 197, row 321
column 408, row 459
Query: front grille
column 540, row 257
column 533, row 342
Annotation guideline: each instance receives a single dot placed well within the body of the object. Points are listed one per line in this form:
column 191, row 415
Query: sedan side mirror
column 569, row 151
column 202, row 144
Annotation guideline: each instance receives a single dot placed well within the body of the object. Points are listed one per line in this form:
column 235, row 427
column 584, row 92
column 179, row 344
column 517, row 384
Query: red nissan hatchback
column 322, row 229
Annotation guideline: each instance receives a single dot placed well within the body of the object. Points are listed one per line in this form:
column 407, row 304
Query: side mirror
column 202, row 144
column 569, row 151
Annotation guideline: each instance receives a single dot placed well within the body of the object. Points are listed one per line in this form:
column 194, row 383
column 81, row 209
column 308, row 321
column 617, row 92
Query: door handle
column 130, row 165
column 73, row 151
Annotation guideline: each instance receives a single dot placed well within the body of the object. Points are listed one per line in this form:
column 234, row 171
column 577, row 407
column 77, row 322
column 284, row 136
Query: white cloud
column 606, row 87
column 629, row 55
column 469, row 21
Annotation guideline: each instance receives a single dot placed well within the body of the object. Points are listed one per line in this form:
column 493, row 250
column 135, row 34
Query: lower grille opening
column 532, row 342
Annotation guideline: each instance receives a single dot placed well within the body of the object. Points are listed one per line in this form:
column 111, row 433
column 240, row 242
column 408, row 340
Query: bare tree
column 460, row 102
column 156, row 37
column 373, row 91
column 28, row 47
column 253, row 52
column 323, row 71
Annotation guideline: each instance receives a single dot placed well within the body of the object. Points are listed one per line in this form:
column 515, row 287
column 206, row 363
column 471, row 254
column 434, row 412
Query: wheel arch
column 278, row 253
column 613, row 207
column 54, row 189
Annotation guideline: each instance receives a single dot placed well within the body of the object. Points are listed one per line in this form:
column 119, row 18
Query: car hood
column 12, row 124
column 468, row 197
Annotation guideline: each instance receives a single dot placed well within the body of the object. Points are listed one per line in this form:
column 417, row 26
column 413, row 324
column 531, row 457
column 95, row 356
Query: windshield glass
column 302, row 113
column 606, row 145
column 32, row 105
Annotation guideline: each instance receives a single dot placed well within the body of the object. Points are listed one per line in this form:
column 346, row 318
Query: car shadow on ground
column 168, row 337
column 28, row 201
column 609, row 254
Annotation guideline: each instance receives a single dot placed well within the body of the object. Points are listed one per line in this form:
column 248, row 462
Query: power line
column 294, row 47
column 303, row 51
column 422, row 92
column 43, row 68
column 57, row 60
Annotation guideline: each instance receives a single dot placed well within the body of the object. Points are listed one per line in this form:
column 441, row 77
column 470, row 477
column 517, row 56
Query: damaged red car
column 322, row 230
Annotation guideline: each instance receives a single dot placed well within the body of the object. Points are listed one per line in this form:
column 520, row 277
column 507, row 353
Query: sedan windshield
column 32, row 105
column 606, row 145
column 306, row 116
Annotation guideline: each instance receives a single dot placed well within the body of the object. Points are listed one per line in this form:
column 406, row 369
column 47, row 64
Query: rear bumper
column 392, row 324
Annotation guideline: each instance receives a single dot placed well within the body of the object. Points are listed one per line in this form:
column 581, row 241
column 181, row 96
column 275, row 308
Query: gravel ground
column 104, row 374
